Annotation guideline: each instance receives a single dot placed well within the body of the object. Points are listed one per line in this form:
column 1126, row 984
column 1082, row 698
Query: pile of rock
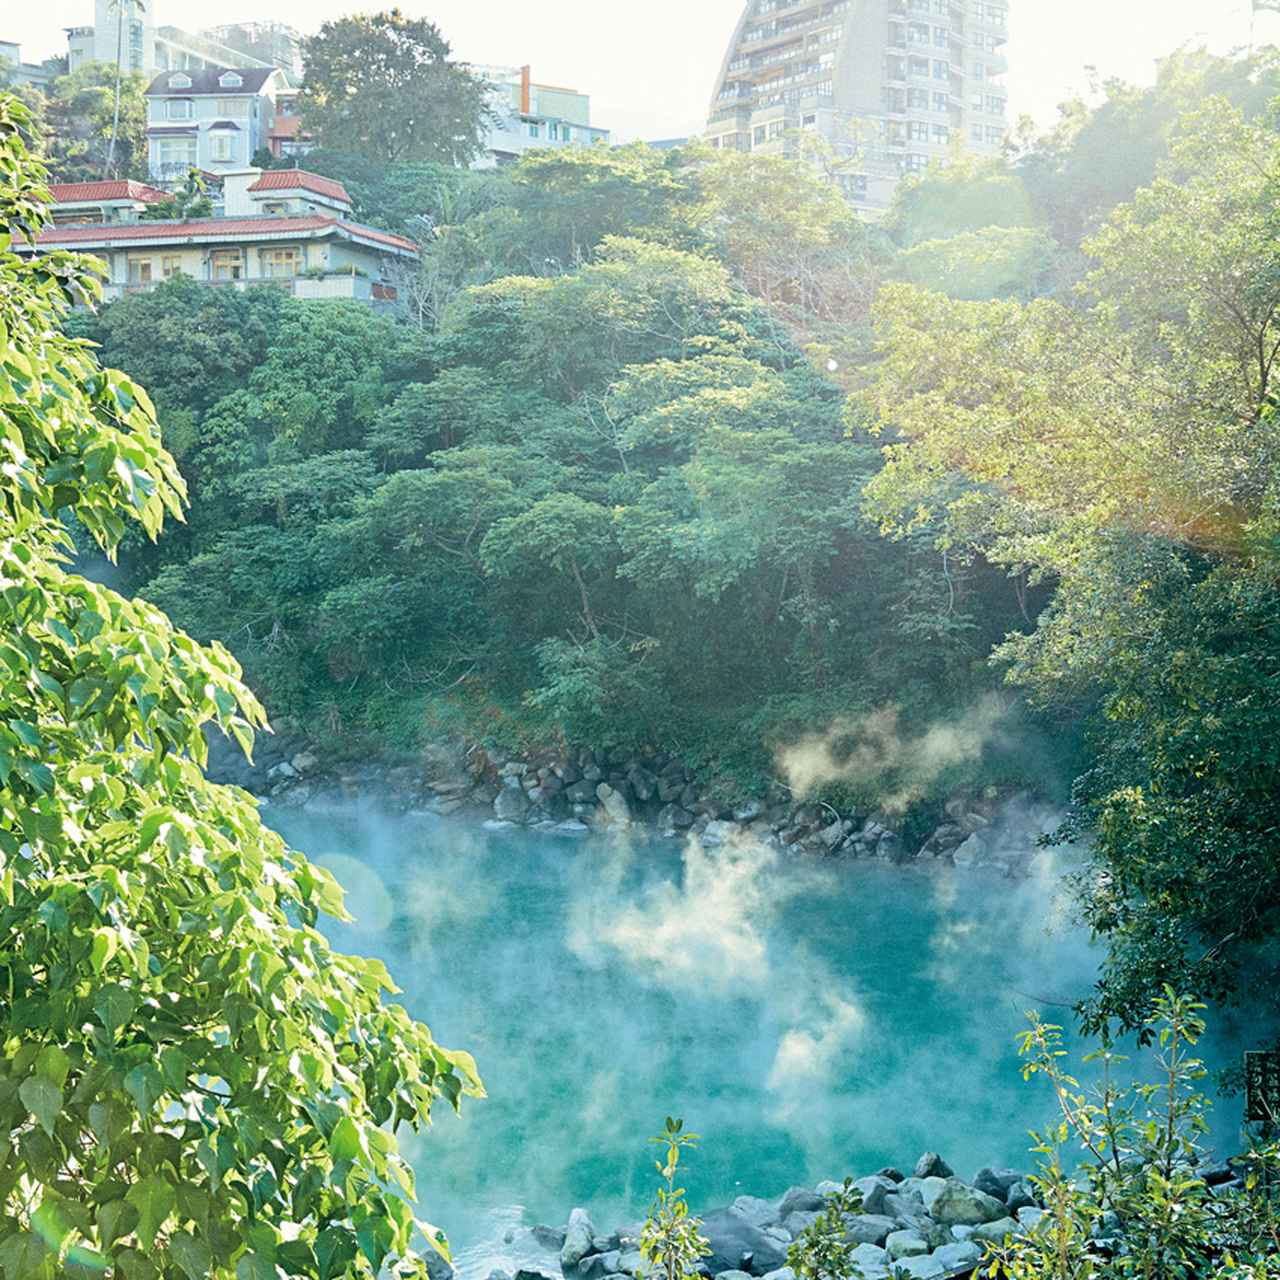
column 579, row 791
column 929, row 1226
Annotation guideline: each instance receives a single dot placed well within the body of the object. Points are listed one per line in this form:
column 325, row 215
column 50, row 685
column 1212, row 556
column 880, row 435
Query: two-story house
column 215, row 119
column 283, row 228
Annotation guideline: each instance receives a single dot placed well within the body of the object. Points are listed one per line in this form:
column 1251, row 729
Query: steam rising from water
column 810, row 1019
column 872, row 753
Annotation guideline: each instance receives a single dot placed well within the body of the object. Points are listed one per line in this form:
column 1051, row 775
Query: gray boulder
column 511, row 805
column 1021, row 1195
column 926, row 1268
column 599, row 1265
column 950, row 1202
column 954, row 1256
column 995, row 1232
column 548, row 1237
column 932, row 1165
column 868, row 1228
column 906, row 1244
column 903, row 1206
column 782, row 1273
column 872, row 1263
column 760, row 1213
column 577, row 1240
column 733, row 1275
column 894, row 1175
column 874, row 1192
column 581, row 793
column 738, row 1246
column 1030, row 1218
column 614, row 808
column 996, row 1182
column 796, row 1223
column 800, row 1199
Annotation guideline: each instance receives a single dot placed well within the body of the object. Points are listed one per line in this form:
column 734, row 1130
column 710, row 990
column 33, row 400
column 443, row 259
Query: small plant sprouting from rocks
column 671, row 1241
column 821, row 1251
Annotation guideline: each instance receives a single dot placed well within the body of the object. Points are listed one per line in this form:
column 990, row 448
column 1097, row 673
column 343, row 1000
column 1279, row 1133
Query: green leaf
column 24, row 1257
column 116, row 1219
column 253, row 1266
column 53, row 1065
column 154, row 1200
column 347, row 1141
column 43, row 1099
column 145, row 1086
column 115, row 1006
column 192, row 1255
column 105, row 942
column 335, row 1251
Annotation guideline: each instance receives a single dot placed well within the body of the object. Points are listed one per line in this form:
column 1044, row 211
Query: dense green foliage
column 192, row 1083
column 382, row 85
column 1142, row 1206
column 1122, row 437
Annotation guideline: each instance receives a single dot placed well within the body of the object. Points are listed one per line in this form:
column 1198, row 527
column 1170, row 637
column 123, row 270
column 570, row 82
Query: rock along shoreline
column 930, row 1225
column 575, row 793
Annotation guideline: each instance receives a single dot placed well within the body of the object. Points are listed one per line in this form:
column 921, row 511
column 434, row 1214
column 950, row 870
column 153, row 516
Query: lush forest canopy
column 670, row 448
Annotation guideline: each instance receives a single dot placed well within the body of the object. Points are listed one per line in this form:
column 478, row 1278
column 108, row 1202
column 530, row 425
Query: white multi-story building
column 216, row 119
column 127, row 31
column 529, row 116
column 891, row 86
column 14, row 71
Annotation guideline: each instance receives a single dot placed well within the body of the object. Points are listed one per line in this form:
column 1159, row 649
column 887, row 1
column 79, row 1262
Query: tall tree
column 383, row 85
column 192, row 1083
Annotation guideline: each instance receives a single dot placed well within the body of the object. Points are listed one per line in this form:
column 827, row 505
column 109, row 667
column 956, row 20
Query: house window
column 229, row 80
column 276, row 206
column 140, row 270
column 180, row 108
column 235, row 108
column 226, row 264
column 535, row 131
column 220, row 147
column 281, row 263
column 175, row 155
column 171, row 265
column 179, row 81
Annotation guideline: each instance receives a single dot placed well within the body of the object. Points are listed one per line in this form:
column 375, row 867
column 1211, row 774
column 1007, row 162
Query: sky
column 649, row 65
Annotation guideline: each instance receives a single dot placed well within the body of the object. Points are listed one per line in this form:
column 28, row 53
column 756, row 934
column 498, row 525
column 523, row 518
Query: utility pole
column 120, row 6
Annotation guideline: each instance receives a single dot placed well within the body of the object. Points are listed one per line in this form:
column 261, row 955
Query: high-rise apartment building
column 889, row 85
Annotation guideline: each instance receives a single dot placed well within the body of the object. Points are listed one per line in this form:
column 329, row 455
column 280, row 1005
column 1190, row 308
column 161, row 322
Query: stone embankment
column 575, row 793
column 928, row 1226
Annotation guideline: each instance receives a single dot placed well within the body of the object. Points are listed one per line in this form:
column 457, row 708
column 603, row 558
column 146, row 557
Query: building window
column 179, row 81
column 171, row 265
column 139, row 270
column 180, row 109
column 220, row 147
column 175, row 155
column 229, row 80
column 281, row 263
column 918, row 131
column 941, row 102
column 941, row 134
column 234, row 108
column 759, row 135
column 535, row 131
column 226, row 264
column 809, row 122
column 942, row 71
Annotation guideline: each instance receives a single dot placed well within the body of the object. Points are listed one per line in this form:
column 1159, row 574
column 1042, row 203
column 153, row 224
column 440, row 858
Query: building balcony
column 341, row 285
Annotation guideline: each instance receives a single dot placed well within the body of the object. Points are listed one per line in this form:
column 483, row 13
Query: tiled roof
column 301, row 180
column 78, row 192
column 217, row 229
column 205, row 80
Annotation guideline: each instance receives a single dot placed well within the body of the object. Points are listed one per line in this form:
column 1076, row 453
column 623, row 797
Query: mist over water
column 810, row 1019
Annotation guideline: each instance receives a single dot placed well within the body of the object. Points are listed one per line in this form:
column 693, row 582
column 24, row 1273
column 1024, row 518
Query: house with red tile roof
column 283, row 228
column 94, row 202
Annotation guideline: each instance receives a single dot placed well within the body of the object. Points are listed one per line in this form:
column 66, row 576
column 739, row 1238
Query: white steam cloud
column 874, row 753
